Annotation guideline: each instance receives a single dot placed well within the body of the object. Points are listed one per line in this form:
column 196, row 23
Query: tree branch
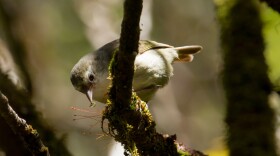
column 28, row 135
column 128, row 50
column 130, row 121
column 23, row 105
column 21, row 101
column 250, row 120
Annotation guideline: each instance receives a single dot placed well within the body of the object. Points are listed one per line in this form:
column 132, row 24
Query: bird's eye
column 91, row 77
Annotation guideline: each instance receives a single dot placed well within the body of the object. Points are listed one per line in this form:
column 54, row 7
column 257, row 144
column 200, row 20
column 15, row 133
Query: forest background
column 55, row 34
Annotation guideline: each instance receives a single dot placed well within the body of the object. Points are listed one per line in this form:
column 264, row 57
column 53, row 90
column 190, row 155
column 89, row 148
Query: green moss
column 183, row 153
column 120, row 126
column 132, row 125
column 249, row 118
column 113, row 64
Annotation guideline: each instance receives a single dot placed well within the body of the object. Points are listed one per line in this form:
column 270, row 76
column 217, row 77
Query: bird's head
column 83, row 76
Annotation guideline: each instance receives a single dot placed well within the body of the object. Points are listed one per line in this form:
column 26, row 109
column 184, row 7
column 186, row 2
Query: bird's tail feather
column 185, row 53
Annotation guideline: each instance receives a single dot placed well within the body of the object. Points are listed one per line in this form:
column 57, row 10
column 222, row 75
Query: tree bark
column 20, row 98
column 130, row 121
column 27, row 134
column 250, row 120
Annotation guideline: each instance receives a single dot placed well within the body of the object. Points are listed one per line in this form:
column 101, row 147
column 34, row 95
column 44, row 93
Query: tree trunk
column 249, row 118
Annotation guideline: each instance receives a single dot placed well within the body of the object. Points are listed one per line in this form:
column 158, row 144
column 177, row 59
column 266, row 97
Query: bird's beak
column 89, row 96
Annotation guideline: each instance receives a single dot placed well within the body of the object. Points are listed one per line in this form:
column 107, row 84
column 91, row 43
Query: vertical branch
column 128, row 49
column 130, row 121
column 249, row 118
column 122, row 70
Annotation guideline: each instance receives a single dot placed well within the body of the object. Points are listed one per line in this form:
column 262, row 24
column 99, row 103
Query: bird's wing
column 145, row 45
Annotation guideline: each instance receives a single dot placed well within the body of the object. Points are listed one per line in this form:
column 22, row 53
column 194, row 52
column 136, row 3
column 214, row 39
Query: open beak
column 89, row 96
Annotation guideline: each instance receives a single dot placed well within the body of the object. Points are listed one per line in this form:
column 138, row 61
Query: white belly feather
column 152, row 71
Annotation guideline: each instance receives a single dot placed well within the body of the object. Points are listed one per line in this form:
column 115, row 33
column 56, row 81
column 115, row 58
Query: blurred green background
column 57, row 33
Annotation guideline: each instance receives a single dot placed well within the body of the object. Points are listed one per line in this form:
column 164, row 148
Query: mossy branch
column 22, row 104
column 128, row 49
column 250, row 120
column 20, row 99
column 130, row 121
column 28, row 135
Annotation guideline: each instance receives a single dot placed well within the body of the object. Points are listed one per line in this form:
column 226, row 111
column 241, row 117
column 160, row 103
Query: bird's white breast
column 154, row 67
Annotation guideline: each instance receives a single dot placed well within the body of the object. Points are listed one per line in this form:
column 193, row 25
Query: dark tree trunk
column 250, row 120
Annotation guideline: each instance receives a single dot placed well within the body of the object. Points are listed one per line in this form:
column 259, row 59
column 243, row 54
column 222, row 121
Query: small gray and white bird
column 153, row 69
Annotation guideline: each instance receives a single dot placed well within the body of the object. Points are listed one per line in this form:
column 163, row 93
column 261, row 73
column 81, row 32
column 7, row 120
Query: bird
column 152, row 69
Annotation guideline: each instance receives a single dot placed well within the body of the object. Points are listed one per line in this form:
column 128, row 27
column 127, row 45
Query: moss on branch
column 249, row 118
column 130, row 121
column 28, row 135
